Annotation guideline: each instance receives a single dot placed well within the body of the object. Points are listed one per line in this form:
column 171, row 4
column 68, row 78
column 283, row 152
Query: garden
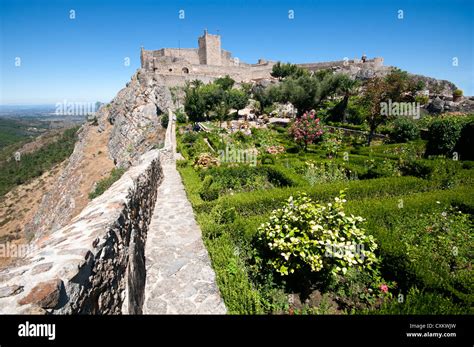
column 336, row 213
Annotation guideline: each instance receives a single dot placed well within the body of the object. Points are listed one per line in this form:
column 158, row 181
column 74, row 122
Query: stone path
column 179, row 276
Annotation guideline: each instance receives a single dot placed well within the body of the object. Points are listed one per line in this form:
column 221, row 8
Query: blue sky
column 83, row 59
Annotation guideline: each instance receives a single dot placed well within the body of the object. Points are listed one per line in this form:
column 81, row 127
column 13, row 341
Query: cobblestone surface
column 180, row 279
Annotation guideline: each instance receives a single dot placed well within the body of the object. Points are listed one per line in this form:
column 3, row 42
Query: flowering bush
column 332, row 143
column 323, row 172
column 205, row 160
column 275, row 149
column 306, row 129
column 308, row 236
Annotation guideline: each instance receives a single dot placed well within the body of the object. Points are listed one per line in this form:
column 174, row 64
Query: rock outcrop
column 135, row 114
column 127, row 127
column 442, row 103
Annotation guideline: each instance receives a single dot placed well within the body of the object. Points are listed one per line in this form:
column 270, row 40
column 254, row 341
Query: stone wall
column 210, row 49
column 96, row 263
column 180, row 72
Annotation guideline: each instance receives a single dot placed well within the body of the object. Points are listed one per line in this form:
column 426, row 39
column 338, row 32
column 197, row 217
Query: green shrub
column 418, row 302
column 422, row 99
column 221, row 214
column 405, row 129
column 457, row 93
column 443, row 171
column 306, row 236
column 381, row 168
column 401, row 224
column 164, row 120
column 189, row 137
column 442, row 237
column 267, row 159
column 443, row 134
column 208, row 192
column 261, row 202
column 240, row 297
column 181, row 117
column 246, row 178
column 105, row 183
column 182, row 163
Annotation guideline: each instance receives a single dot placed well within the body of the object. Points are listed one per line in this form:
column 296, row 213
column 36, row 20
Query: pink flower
column 384, row 288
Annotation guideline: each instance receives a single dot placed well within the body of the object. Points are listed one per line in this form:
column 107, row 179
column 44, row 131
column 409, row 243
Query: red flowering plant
column 306, row 130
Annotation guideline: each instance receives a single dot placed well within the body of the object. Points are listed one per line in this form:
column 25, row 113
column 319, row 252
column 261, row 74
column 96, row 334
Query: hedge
column 385, row 215
column 260, row 202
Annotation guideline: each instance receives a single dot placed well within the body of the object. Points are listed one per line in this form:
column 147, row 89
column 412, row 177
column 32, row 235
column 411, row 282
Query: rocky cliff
column 125, row 129
column 135, row 113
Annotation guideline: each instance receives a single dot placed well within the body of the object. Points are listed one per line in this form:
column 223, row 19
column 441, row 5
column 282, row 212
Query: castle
column 207, row 62
column 210, row 61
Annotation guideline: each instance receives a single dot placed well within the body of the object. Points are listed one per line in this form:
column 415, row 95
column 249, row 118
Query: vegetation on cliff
column 33, row 164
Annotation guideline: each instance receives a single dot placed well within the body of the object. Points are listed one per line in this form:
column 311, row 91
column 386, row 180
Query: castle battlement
column 206, row 62
column 209, row 61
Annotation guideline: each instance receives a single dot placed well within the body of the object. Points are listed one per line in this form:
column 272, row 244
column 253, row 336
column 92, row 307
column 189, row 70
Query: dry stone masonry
column 96, row 264
column 179, row 278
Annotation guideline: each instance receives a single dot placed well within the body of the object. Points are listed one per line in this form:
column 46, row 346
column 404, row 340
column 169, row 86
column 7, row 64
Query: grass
column 105, row 183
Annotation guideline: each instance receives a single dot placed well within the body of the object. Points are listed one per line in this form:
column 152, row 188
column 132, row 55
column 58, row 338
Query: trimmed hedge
column 260, row 202
column 386, row 216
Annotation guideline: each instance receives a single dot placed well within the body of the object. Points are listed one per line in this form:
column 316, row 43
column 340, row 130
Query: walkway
column 179, row 276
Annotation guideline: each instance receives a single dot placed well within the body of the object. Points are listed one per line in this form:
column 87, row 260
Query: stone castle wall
column 94, row 265
column 210, row 50
column 210, row 61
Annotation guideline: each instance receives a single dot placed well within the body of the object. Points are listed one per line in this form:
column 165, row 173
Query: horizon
column 83, row 59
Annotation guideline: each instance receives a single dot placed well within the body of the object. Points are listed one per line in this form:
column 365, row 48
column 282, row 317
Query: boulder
column 44, row 294
column 435, row 106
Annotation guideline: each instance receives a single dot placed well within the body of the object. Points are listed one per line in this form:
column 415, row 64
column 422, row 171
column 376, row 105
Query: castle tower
column 209, row 50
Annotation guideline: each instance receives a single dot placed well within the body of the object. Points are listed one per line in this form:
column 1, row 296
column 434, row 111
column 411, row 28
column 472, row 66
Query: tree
column 266, row 96
column 374, row 95
column 306, row 129
column 236, row 99
column 221, row 112
column 281, row 71
column 194, row 104
column 397, row 86
column 226, row 83
column 347, row 87
column 308, row 92
column 212, row 100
